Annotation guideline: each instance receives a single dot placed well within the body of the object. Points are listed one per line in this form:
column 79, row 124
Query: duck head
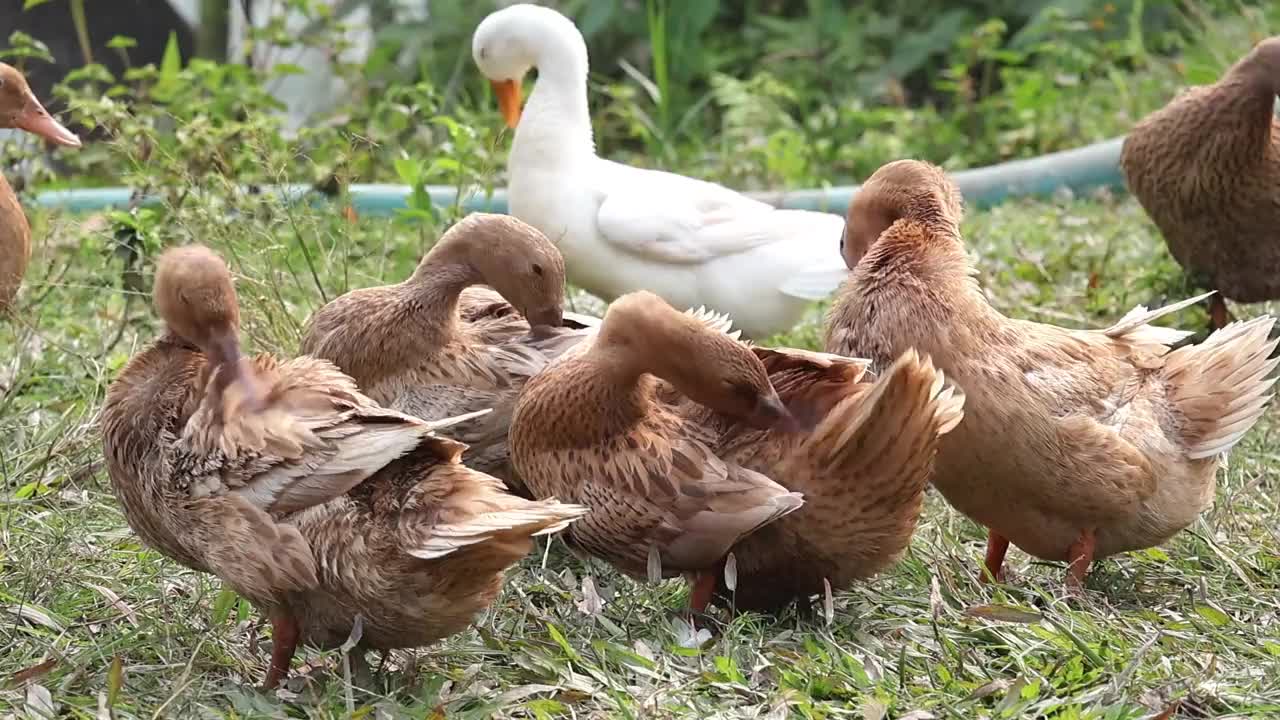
column 19, row 109
column 508, row 255
column 641, row 331
column 510, row 42
column 904, row 189
column 194, row 296
column 1262, row 66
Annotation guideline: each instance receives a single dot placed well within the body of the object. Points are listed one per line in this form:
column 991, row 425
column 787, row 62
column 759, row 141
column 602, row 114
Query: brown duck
column 20, row 110
column 441, row 344
column 301, row 493
column 1206, row 168
column 1076, row 444
column 675, row 435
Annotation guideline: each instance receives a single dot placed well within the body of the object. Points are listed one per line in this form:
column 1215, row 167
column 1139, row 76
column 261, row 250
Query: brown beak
column 35, row 119
column 771, row 414
column 549, row 317
column 508, row 92
column 234, row 370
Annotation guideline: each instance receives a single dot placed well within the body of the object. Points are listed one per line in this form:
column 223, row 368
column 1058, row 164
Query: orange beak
column 35, row 119
column 508, row 92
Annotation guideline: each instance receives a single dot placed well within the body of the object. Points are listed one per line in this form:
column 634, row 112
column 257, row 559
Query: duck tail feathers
column 1221, row 386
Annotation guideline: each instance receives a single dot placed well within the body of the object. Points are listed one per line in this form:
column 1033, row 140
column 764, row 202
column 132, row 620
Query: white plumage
column 622, row 228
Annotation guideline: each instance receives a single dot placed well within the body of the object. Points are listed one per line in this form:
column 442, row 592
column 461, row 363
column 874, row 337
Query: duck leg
column 284, row 642
column 703, row 586
column 1219, row 315
column 993, row 567
column 1080, row 555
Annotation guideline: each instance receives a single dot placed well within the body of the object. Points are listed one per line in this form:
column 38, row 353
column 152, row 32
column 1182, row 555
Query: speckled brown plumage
column 1073, row 441
column 19, row 109
column 862, row 471
column 593, row 429
column 439, row 345
column 15, row 245
column 303, row 494
column 1206, row 168
column 664, row 405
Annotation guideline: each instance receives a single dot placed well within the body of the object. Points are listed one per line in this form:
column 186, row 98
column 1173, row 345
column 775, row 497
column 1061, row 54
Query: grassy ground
column 96, row 621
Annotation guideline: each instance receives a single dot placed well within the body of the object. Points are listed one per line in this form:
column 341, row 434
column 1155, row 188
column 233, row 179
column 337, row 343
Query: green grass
column 1197, row 621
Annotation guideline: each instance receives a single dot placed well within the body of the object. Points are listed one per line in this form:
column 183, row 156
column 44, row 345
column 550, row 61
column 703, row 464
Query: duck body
column 599, row 425
column 1073, row 439
column 623, row 229
column 381, row 550
column 440, row 344
column 862, row 471
column 1092, row 445
column 15, row 245
column 665, row 464
column 658, row 483
column 19, row 109
column 1206, row 168
column 305, row 496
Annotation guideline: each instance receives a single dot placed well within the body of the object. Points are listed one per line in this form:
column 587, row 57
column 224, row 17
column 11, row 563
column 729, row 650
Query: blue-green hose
column 1079, row 170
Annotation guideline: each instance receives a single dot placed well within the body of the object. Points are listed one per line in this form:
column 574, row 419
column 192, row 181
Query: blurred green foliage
column 762, row 93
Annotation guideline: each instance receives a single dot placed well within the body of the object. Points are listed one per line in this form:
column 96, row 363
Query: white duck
column 623, row 229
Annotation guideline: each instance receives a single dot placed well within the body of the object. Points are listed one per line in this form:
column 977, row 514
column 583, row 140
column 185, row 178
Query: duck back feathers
column 1206, row 168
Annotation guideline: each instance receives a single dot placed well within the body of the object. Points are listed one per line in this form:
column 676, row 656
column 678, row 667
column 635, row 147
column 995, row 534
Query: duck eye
column 742, row 390
column 537, row 269
column 842, row 235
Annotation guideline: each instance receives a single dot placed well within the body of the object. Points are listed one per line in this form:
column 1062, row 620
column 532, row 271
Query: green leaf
column 22, row 45
column 28, row 4
column 562, row 642
column 122, row 42
column 222, row 605
column 1003, row 613
column 170, row 67
column 408, row 170
column 545, row 708
column 171, row 63
column 728, row 669
column 115, row 681
column 283, row 69
column 1216, row 617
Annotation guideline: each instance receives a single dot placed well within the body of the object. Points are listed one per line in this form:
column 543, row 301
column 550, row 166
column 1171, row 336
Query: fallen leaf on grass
column 31, row 673
column 828, row 602
column 120, row 605
column 1004, row 613
column 989, row 689
column 689, row 635
column 40, row 705
column 37, row 616
column 591, row 603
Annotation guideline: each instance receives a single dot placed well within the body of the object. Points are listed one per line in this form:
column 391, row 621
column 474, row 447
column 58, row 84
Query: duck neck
column 555, row 127
column 621, row 391
column 436, row 287
column 929, row 266
column 15, row 245
column 1250, row 95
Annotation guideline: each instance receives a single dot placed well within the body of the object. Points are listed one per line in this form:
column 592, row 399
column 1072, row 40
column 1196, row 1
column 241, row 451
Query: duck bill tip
column 36, row 120
column 508, row 93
